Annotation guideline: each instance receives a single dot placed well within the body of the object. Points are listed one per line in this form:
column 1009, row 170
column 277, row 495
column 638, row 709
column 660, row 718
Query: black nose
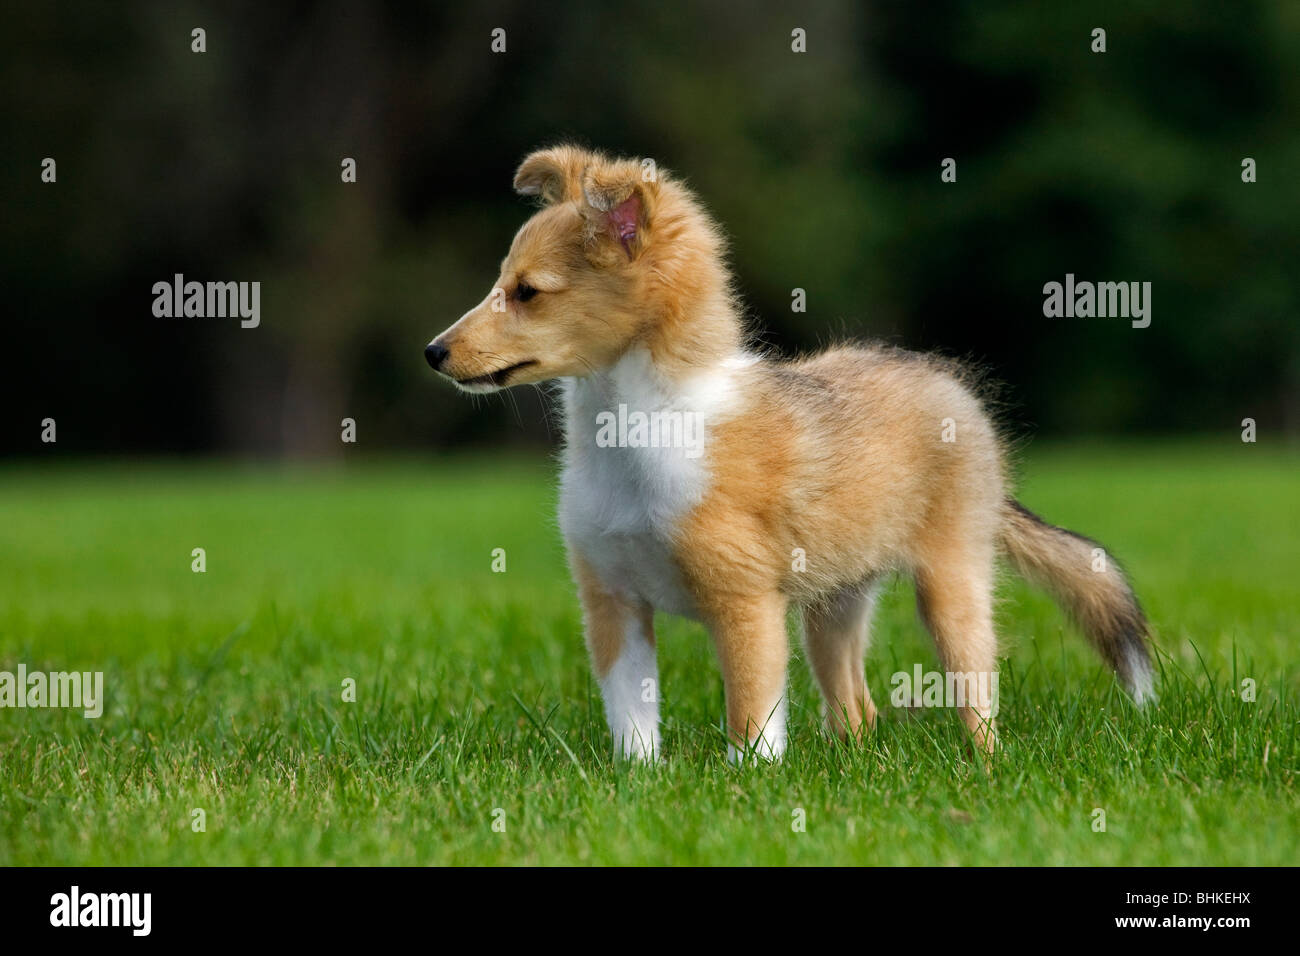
column 435, row 355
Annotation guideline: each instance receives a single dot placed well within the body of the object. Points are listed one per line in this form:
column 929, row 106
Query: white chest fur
column 636, row 460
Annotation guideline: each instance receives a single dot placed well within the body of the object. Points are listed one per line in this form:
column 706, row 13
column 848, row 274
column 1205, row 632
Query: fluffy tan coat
column 815, row 477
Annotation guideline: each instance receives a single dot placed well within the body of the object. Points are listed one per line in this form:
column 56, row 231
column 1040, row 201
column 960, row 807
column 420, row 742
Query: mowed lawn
column 474, row 705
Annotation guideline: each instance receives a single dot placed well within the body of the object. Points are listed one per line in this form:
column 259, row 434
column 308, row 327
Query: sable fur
column 837, row 456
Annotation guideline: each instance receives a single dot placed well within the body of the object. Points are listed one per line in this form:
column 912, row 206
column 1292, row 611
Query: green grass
column 473, row 693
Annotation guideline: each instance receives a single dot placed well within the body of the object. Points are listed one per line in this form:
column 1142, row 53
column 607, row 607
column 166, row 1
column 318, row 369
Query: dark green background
column 823, row 168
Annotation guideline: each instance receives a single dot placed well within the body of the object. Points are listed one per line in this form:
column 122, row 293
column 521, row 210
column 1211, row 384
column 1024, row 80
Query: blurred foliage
column 823, row 168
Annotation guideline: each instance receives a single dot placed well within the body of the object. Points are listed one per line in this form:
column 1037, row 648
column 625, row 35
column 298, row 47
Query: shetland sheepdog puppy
column 706, row 480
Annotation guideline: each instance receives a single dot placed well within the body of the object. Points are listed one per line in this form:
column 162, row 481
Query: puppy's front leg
column 753, row 651
column 621, row 640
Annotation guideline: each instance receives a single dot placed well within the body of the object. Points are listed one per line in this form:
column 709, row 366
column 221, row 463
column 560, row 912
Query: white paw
column 768, row 745
column 638, row 744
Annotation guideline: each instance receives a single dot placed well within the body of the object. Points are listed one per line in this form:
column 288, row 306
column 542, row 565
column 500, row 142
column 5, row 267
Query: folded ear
column 553, row 174
column 619, row 202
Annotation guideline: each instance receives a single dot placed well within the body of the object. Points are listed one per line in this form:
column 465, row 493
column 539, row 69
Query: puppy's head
column 566, row 300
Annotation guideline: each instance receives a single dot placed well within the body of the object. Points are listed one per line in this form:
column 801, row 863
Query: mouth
column 495, row 379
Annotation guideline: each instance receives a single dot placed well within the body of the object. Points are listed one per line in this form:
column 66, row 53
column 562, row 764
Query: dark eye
column 524, row 292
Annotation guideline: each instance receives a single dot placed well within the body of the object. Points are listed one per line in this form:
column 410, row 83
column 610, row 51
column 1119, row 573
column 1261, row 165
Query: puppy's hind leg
column 837, row 633
column 954, row 593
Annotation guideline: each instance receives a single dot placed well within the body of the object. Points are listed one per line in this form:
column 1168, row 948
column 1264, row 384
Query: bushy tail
column 1092, row 590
